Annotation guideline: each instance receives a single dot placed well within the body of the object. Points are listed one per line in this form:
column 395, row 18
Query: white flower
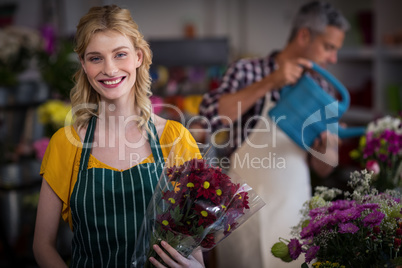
column 386, row 122
column 14, row 39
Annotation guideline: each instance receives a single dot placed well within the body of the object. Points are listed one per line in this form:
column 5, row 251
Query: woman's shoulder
column 174, row 128
column 66, row 138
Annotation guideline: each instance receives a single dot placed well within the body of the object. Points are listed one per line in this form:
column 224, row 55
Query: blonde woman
column 100, row 173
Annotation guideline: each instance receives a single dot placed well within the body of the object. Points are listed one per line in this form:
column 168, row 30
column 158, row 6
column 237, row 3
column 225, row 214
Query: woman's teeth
column 112, row 82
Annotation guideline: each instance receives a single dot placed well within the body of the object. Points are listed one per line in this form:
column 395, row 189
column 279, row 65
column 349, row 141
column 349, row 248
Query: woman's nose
column 110, row 68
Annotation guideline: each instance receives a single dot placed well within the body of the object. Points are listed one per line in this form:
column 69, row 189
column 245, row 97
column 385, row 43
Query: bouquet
column 19, row 45
column 362, row 228
column 380, row 151
column 195, row 204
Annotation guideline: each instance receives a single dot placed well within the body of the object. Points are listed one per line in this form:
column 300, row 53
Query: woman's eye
column 120, row 55
column 94, row 59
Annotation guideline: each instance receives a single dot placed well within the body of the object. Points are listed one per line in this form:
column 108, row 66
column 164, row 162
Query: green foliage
column 58, row 69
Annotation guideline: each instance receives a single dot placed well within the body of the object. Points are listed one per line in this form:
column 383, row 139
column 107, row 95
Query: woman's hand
column 176, row 260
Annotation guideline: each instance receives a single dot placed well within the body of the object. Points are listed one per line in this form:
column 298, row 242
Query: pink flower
column 157, row 104
column 372, row 165
column 40, row 147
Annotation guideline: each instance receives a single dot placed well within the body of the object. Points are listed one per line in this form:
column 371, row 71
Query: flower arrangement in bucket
column 362, row 228
column 380, row 151
column 19, row 45
column 195, row 204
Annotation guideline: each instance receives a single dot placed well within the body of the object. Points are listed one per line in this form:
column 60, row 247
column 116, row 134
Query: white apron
column 279, row 173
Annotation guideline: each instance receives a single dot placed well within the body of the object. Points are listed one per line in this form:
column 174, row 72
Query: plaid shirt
column 240, row 74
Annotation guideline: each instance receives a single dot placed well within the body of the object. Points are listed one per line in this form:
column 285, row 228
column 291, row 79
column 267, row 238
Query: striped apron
column 108, row 207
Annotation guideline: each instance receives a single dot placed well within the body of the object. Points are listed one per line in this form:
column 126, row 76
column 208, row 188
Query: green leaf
column 176, row 214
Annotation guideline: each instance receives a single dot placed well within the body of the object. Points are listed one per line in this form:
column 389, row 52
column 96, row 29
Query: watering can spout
column 351, row 132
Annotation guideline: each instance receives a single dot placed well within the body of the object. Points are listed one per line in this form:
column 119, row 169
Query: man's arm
column 288, row 72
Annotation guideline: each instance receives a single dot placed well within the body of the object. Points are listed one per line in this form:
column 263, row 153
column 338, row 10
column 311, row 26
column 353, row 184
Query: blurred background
column 192, row 41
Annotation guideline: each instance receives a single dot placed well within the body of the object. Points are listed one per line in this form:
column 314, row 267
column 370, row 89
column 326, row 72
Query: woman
column 100, row 173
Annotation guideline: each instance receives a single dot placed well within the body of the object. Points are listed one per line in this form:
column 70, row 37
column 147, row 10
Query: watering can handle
column 337, row 85
column 344, row 104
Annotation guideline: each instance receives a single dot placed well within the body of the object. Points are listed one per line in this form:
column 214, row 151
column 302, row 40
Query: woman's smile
column 113, row 82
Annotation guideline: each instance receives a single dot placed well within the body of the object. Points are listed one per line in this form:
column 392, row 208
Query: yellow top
column 61, row 162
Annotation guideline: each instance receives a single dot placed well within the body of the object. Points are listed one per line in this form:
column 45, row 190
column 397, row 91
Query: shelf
column 358, row 114
column 184, row 52
column 394, row 53
column 356, row 53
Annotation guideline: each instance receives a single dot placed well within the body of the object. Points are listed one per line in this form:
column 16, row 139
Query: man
column 262, row 155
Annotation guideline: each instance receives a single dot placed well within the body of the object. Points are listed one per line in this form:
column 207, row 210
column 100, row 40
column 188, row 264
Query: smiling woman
column 88, row 169
column 110, row 62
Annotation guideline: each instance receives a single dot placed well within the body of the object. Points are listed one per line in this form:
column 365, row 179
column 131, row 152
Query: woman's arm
column 46, row 227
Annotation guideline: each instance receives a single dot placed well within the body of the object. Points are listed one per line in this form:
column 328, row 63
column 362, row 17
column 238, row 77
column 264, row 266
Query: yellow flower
column 55, row 112
column 190, row 185
column 362, row 141
column 219, row 192
column 176, row 186
column 206, row 185
column 172, row 200
column 354, row 154
column 165, row 222
column 204, row 213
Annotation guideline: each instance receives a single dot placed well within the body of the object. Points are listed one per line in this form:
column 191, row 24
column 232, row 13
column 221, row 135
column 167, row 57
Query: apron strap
column 155, row 145
column 87, row 146
column 89, row 136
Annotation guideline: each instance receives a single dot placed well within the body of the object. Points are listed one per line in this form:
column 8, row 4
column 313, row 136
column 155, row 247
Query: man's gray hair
column 316, row 16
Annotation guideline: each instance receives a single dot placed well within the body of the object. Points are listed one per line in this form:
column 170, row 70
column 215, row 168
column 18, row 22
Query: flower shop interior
column 192, row 44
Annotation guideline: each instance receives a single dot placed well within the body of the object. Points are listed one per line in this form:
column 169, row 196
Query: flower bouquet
column 380, row 151
column 362, row 228
column 195, row 204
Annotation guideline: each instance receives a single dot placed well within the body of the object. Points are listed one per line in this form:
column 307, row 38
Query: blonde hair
column 98, row 19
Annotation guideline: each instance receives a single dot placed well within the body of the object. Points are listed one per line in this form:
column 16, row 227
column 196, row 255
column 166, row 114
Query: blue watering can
column 305, row 110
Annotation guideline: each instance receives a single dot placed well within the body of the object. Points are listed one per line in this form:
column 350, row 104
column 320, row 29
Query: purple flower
column 294, row 248
column 372, row 146
column 48, row 34
column 371, row 206
column 309, row 230
column 311, row 253
column 383, row 157
column 328, row 220
column 308, row 240
column 373, row 219
column 348, row 228
column 348, row 214
column 341, row 205
column 317, row 211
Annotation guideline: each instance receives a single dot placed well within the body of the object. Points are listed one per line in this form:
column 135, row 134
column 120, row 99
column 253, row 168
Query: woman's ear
column 140, row 57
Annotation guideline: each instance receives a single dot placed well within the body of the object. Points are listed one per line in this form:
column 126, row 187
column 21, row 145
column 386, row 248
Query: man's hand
column 327, row 145
column 289, row 72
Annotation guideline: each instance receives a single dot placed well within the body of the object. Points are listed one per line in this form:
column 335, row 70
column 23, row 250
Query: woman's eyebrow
column 98, row 53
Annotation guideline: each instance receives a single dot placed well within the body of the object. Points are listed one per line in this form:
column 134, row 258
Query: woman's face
column 110, row 62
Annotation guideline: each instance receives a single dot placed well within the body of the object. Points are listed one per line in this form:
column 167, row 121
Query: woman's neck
column 113, row 115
